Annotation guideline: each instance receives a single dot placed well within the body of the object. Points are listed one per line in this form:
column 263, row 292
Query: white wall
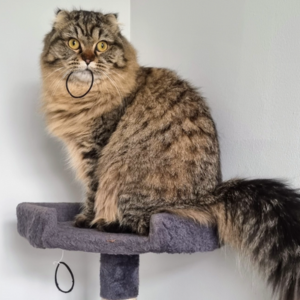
column 33, row 167
column 244, row 54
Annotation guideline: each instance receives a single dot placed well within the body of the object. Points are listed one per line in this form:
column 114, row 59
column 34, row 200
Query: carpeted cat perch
column 49, row 225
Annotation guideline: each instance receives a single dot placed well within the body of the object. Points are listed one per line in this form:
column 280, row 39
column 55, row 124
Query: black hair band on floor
column 87, row 90
column 55, row 277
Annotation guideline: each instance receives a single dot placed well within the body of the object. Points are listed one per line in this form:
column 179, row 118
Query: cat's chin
column 82, row 75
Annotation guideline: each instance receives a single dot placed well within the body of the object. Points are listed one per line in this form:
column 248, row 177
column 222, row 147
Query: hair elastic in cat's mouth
column 86, row 91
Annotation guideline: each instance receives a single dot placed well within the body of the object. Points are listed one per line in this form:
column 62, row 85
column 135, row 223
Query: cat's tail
column 261, row 219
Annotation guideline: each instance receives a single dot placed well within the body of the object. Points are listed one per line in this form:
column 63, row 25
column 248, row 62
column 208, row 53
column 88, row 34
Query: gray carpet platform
column 49, row 225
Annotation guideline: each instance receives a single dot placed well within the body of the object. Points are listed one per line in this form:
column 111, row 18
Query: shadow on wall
column 43, row 155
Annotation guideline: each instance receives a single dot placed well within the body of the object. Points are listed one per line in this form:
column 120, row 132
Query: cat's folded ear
column 62, row 16
column 114, row 16
column 112, row 19
column 57, row 11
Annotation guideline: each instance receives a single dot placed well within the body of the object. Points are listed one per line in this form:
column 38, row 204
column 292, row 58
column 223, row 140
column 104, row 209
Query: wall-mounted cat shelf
column 49, row 225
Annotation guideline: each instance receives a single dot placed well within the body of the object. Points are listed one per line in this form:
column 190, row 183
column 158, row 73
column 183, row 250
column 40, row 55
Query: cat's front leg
column 83, row 220
column 87, row 215
column 133, row 215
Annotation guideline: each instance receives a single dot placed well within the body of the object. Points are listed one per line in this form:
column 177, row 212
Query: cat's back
column 163, row 101
column 164, row 105
column 161, row 90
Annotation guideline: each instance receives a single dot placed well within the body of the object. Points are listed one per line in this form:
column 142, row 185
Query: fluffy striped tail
column 261, row 219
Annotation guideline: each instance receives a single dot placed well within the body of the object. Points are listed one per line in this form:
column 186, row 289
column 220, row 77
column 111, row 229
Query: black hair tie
column 87, row 90
column 55, row 278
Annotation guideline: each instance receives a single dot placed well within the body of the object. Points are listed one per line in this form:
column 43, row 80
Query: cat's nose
column 87, row 57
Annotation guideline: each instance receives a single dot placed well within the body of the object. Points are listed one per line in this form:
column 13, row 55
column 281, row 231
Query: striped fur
column 143, row 141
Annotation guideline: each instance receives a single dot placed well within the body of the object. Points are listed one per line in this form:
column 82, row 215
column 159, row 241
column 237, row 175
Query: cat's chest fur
column 85, row 126
column 85, row 150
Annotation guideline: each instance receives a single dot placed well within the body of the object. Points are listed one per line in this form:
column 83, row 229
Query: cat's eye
column 74, row 44
column 102, row 46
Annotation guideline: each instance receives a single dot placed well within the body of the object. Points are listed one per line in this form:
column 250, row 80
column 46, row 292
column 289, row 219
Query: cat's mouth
column 83, row 75
column 83, row 78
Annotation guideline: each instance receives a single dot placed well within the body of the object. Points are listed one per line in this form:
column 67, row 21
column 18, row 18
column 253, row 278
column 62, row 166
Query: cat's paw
column 100, row 225
column 143, row 229
column 82, row 221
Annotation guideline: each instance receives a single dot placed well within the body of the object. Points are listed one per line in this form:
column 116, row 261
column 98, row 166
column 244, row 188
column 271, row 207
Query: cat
column 143, row 141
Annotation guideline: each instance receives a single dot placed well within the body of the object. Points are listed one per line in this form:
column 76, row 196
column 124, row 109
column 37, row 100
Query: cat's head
column 81, row 40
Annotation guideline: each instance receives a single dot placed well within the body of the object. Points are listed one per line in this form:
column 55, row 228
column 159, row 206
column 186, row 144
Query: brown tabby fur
column 164, row 145
column 143, row 141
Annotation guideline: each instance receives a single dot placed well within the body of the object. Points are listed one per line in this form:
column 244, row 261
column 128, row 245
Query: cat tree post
column 119, row 276
column 50, row 225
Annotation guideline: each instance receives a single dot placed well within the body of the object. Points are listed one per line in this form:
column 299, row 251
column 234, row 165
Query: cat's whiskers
column 96, row 103
column 114, row 84
column 98, row 85
column 52, row 73
column 118, row 74
column 98, row 82
column 72, row 58
column 53, row 88
column 98, row 88
column 54, row 85
column 55, row 80
column 73, row 63
column 105, row 69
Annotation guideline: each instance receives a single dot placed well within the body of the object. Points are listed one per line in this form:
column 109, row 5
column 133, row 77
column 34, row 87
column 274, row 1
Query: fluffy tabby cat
column 143, row 141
